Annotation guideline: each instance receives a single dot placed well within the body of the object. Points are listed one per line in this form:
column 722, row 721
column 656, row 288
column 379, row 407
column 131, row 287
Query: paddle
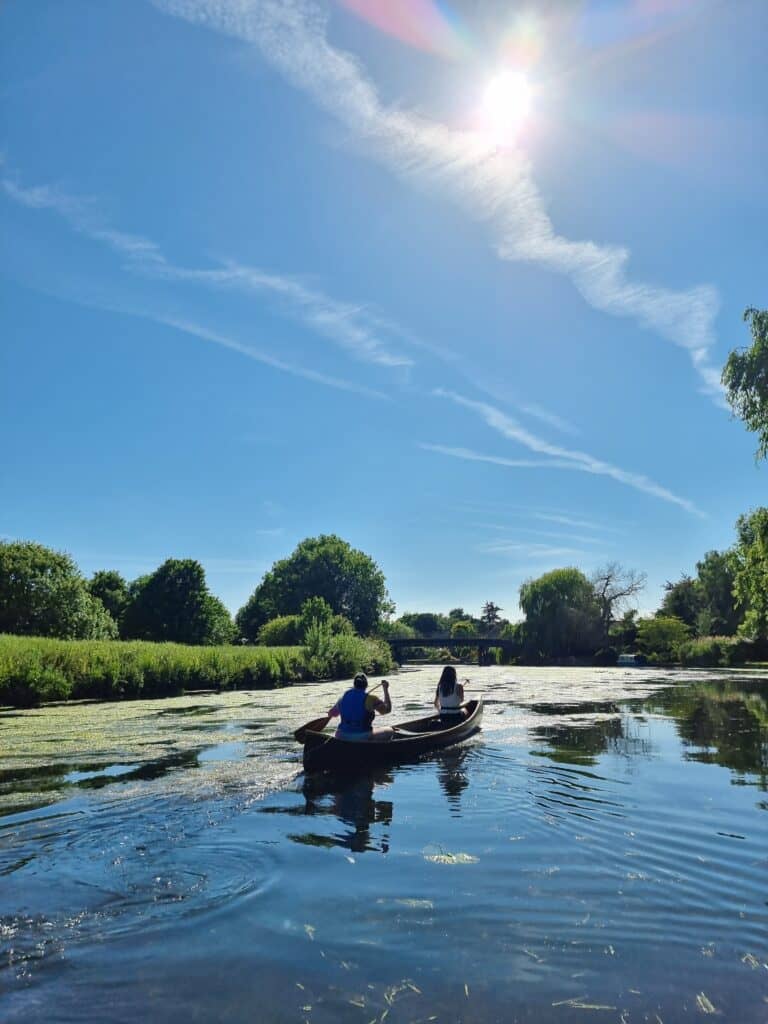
column 318, row 724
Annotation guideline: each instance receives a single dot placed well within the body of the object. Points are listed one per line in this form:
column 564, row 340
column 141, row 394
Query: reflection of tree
column 581, row 744
column 599, row 728
column 723, row 723
column 451, row 773
column 350, row 800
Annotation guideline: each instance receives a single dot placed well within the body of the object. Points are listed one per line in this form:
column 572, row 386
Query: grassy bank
column 33, row 669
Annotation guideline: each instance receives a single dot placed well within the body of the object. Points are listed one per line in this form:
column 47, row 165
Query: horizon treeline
column 326, row 584
column 708, row 618
column 325, row 581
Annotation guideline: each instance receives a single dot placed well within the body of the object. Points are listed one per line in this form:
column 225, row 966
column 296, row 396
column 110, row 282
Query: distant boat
column 323, row 751
column 631, row 660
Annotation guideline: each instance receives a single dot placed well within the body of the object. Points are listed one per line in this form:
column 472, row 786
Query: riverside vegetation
column 65, row 637
column 38, row 669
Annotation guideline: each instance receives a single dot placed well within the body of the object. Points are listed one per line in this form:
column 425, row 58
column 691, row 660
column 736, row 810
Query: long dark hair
column 447, row 681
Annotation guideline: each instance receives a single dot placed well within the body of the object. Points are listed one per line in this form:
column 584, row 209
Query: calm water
column 599, row 851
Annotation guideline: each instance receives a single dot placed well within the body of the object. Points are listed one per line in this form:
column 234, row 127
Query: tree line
column 324, row 581
column 327, row 588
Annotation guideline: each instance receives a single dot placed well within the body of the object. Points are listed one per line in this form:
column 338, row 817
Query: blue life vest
column 354, row 715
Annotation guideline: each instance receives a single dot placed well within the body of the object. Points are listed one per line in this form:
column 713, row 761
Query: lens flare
column 506, row 105
column 424, row 24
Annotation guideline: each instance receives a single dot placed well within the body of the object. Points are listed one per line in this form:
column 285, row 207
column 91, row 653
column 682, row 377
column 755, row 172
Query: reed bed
column 34, row 670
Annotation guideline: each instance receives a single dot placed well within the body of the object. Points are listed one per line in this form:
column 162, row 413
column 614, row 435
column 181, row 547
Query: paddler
column 357, row 710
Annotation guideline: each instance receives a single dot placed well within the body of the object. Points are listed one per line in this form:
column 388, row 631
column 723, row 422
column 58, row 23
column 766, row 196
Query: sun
column 506, row 104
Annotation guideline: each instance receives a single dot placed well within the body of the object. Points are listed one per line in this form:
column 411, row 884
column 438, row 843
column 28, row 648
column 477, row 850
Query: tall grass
column 35, row 669
column 706, row 651
column 339, row 655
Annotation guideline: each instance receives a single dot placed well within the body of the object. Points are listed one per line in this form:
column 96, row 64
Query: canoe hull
column 323, row 751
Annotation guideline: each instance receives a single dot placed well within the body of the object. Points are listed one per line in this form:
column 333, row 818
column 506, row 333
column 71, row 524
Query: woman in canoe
column 450, row 695
column 357, row 710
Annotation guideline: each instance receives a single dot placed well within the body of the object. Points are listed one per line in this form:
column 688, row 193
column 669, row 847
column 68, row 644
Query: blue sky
column 271, row 269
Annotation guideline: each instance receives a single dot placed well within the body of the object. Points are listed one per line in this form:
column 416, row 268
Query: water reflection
column 351, row 801
column 44, row 783
column 583, row 742
column 452, row 776
column 549, row 890
column 725, row 723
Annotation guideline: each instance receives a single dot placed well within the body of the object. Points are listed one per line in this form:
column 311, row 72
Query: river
column 598, row 851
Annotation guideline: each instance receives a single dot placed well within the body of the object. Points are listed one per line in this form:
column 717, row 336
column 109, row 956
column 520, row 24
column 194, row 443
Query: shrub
column 708, row 651
column 704, row 651
column 660, row 638
column 463, row 627
column 291, row 630
column 283, row 631
column 341, row 656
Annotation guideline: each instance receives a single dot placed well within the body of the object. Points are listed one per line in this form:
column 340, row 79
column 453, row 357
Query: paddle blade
column 316, row 725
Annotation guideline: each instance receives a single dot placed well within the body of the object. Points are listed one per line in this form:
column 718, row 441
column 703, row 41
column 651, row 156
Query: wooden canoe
column 323, row 751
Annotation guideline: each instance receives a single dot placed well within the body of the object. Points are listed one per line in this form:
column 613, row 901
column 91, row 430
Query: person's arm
column 437, row 697
column 460, row 691
column 383, row 707
column 334, row 712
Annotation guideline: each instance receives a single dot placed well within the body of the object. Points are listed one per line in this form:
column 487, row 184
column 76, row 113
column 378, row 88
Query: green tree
column 745, row 377
column 317, row 611
column 716, row 577
column 327, row 567
column 462, row 628
column 458, row 615
column 751, row 573
column 42, row 593
column 112, row 590
column 395, row 628
column 561, row 614
column 425, row 623
column 218, row 627
column 660, row 637
column 682, row 600
column 174, row 604
column 623, row 632
column 489, row 616
column 282, row 631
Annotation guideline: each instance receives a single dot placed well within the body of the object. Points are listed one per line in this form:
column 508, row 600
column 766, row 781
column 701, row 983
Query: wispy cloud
column 528, row 408
column 539, row 514
column 558, row 457
column 206, row 334
column 493, row 186
column 583, row 524
column 360, row 332
column 550, row 534
column 82, row 216
column 532, row 551
column 498, row 460
column 348, row 326
column 538, row 412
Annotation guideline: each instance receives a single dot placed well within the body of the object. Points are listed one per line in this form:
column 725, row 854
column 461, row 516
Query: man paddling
column 357, row 710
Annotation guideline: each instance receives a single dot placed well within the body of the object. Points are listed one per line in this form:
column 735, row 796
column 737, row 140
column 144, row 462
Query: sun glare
column 505, row 106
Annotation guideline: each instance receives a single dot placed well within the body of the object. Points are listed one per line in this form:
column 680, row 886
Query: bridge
column 481, row 644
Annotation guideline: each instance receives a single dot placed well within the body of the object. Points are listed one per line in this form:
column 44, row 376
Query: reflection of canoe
column 323, row 750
